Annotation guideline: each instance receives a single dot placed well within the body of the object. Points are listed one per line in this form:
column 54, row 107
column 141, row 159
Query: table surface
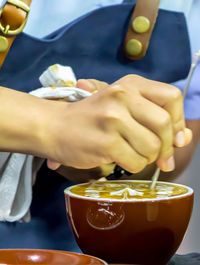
column 189, row 259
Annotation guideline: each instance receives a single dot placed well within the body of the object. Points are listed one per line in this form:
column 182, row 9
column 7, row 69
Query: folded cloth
column 18, row 171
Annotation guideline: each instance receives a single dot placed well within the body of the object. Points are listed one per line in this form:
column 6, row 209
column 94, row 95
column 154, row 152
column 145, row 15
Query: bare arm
column 132, row 122
column 22, row 122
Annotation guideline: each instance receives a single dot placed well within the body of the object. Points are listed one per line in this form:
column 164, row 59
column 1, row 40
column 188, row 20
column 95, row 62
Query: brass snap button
column 3, row 44
column 141, row 24
column 133, row 47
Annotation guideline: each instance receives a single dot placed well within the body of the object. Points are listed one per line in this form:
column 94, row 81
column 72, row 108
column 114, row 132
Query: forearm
column 22, row 119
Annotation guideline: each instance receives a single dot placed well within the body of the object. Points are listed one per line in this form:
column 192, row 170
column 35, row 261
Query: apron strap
column 13, row 17
column 140, row 28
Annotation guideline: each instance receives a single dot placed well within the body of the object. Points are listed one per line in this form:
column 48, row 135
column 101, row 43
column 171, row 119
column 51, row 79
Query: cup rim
column 53, row 251
column 188, row 193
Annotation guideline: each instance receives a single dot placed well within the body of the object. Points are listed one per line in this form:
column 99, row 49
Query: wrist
column 24, row 122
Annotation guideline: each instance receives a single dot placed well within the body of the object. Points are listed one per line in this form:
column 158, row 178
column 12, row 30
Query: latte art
column 127, row 190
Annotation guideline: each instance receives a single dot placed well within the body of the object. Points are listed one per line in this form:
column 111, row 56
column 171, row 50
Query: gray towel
column 17, row 176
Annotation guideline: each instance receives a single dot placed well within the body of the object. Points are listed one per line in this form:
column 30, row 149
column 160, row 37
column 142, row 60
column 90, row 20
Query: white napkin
column 18, row 171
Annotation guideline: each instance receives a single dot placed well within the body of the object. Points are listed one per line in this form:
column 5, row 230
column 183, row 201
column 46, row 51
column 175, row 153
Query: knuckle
column 165, row 121
column 167, row 152
column 176, row 94
column 98, row 84
column 131, row 77
column 111, row 117
column 179, row 126
column 139, row 165
column 113, row 149
column 155, row 147
column 116, row 91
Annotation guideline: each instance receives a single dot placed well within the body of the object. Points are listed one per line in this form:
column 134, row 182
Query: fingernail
column 168, row 165
column 53, row 165
column 180, row 139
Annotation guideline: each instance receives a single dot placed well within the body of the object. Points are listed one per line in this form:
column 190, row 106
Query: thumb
column 53, row 165
column 91, row 85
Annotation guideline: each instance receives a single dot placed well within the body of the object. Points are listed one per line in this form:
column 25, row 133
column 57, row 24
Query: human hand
column 133, row 122
column 91, row 85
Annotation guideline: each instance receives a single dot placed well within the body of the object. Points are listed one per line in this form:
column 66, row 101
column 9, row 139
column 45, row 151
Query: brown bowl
column 135, row 231
column 44, row 257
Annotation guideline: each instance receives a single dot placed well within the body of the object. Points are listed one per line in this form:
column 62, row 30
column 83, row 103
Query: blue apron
column 92, row 46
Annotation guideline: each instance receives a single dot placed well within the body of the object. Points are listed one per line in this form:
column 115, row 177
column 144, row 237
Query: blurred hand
column 132, row 122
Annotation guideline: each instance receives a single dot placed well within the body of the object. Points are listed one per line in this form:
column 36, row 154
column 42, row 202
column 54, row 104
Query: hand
column 92, row 86
column 133, row 122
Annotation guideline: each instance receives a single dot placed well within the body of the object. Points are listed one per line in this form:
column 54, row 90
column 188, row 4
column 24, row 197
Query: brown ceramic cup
column 136, row 231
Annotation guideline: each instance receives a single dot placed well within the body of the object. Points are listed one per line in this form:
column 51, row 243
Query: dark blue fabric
column 92, row 46
column 49, row 228
column 189, row 259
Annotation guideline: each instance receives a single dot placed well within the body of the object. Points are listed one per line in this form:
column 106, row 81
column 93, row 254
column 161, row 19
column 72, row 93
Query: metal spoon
column 189, row 78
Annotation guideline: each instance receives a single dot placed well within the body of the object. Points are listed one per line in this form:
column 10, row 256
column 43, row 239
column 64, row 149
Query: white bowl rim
column 188, row 193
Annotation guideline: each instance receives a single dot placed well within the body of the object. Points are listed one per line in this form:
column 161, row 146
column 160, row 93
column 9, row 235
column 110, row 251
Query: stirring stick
column 189, row 78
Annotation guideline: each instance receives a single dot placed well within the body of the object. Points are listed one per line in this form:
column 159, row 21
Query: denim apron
column 93, row 46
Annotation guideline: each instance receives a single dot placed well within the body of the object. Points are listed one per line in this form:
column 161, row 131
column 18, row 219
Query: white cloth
column 17, row 176
column 18, row 171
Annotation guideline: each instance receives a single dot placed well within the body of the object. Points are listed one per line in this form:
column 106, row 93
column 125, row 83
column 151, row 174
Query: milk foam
column 128, row 190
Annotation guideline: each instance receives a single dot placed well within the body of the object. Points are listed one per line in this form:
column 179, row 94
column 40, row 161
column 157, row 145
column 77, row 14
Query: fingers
column 152, row 134
column 157, row 120
column 188, row 135
column 127, row 158
column 106, row 169
column 158, row 107
column 139, row 138
column 169, row 98
column 147, row 122
column 91, row 85
column 53, row 165
column 148, row 129
column 164, row 95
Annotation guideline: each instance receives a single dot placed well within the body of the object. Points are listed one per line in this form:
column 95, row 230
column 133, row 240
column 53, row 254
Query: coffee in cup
column 126, row 222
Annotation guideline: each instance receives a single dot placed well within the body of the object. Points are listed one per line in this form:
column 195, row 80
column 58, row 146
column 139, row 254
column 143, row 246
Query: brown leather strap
column 140, row 28
column 12, row 18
